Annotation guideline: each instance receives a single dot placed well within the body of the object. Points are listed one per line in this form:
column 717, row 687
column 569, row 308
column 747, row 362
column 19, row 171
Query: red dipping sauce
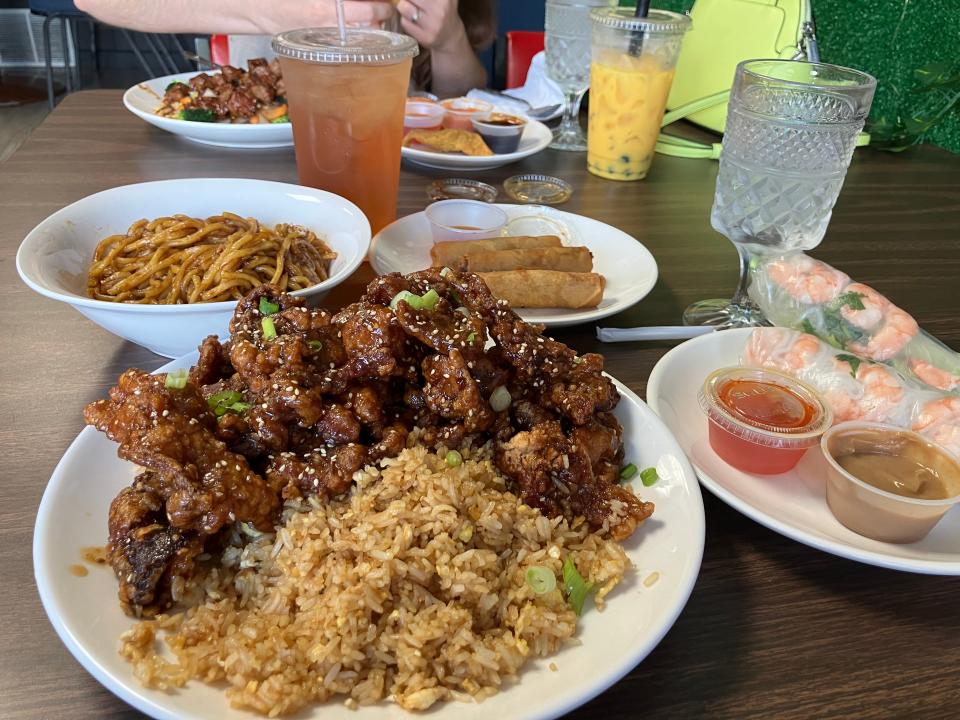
column 762, row 421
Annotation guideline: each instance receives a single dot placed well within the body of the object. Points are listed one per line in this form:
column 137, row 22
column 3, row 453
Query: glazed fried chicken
column 296, row 402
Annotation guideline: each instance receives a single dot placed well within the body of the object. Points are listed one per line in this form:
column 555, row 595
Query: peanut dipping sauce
column 896, row 463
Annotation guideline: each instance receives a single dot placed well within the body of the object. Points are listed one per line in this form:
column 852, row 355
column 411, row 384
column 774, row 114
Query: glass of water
column 790, row 133
column 567, row 40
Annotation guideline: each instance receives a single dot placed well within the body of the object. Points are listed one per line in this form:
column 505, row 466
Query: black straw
column 636, row 42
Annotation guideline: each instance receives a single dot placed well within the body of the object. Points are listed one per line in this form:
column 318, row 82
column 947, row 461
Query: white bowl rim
column 188, row 308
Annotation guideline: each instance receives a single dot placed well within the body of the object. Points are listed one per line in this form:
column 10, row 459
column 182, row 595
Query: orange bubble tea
column 630, row 77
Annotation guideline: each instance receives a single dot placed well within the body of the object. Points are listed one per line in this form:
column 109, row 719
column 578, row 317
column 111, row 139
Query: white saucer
column 536, row 136
column 629, row 268
column 794, row 503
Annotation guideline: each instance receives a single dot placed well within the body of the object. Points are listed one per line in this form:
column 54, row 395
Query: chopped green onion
column 500, row 399
column 471, row 337
column 408, row 297
column 454, row 459
column 176, row 379
column 267, row 307
column 575, row 586
column 648, row 476
column 463, row 311
column 541, row 579
column 226, row 400
column 281, row 119
column 269, row 329
column 445, row 272
column 628, row 471
column 429, row 300
column 315, row 344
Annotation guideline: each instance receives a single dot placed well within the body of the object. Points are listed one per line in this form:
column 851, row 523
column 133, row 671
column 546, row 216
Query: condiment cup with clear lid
column 460, row 112
column 423, row 114
column 876, row 513
column 464, row 220
column 756, row 444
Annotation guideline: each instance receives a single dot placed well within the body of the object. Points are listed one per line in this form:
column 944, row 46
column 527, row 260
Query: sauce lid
column 366, row 46
column 538, row 189
column 459, row 188
column 765, row 407
column 657, row 22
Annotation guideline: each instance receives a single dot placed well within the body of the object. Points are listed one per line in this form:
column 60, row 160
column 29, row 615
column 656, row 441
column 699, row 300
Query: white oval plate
column 144, row 98
column 87, row 616
column 536, row 136
column 630, row 269
column 794, row 503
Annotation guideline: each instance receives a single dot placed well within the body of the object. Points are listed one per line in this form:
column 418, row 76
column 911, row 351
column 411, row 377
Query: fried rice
column 411, row 589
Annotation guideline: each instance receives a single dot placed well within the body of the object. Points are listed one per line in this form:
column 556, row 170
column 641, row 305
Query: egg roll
column 445, row 253
column 546, row 288
column 569, row 259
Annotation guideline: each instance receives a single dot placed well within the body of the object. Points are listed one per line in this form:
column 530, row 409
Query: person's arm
column 231, row 17
column 436, row 25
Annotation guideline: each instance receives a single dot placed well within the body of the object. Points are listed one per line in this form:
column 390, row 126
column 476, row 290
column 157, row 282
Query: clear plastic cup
column 347, row 109
column 631, row 71
column 464, row 220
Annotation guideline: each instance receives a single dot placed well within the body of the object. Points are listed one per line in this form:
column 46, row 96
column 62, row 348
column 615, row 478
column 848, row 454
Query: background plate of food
column 450, row 148
column 791, row 503
column 431, row 581
column 593, row 268
column 230, row 108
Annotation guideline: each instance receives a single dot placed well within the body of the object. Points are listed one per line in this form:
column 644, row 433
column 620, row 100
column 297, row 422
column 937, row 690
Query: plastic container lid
column 657, row 22
column 754, row 430
column 461, row 188
column 538, row 189
column 363, row 46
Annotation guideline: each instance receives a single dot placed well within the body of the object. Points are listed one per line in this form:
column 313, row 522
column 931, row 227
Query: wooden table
column 773, row 628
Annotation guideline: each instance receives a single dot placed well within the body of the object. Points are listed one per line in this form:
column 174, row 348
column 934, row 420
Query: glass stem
column 740, row 297
column 571, row 112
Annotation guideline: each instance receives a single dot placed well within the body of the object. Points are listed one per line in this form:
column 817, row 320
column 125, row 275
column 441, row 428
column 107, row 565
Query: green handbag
column 724, row 33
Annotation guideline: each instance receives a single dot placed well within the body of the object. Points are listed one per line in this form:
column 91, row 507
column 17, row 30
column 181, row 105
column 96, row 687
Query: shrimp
column 807, row 280
column 801, row 354
column 937, row 412
column 891, row 328
column 882, row 393
column 934, row 376
column 763, row 344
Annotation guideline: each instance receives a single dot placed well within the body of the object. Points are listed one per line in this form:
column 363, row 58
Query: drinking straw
column 641, row 11
column 342, row 26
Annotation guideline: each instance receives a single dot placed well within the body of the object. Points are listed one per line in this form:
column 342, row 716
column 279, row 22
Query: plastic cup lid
column 660, row 22
column 322, row 45
column 461, row 188
column 538, row 189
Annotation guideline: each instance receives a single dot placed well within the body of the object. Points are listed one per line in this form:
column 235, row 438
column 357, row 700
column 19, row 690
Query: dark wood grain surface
column 773, row 628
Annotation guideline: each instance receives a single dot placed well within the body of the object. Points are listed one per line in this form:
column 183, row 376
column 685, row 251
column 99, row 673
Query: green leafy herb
column 315, row 344
column 176, row 379
column 649, row 476
column 852, row 300
column 853, row 361
column 576, row 588
column 197, row 115
column 267, row 307
column 628, row 471
column 269, row 329
column 540, row 579
column 226, row 401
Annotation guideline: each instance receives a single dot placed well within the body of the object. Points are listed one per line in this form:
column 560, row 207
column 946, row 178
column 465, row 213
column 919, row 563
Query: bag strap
column 681, row 147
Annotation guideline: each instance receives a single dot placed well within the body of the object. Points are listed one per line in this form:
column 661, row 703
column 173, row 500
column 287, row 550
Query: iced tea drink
column 346, row 105
column 631, row 71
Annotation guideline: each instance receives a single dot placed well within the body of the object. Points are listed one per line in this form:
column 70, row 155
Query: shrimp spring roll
column 856, row 388
column 546, row 288
column 446, row 253
column 569, row 259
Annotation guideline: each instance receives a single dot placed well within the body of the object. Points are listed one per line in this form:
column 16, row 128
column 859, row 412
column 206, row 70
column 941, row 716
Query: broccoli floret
column 281, row 119
column 175, row 83
column 197, row 115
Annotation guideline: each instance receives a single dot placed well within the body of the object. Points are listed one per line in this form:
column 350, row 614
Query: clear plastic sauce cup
column 464, row 220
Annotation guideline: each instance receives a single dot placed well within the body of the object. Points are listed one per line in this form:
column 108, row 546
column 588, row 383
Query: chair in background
column 522, row 45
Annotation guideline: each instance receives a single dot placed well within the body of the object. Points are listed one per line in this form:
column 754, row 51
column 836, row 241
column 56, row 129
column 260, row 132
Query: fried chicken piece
column 203, row 485
column 324, row 471
column 213, row 365
column 449, row 140
column 375, row 343
column 452, row 393
column 582, row 391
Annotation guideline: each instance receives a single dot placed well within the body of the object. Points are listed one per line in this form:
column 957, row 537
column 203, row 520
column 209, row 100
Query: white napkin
column 539, row 91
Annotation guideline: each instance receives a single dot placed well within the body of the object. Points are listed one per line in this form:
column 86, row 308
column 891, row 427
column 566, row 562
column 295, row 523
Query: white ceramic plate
column 536, row 136
column 144, row 98
column 55, row 257
column 794, row 503
column 630, row 269
column 87, row 616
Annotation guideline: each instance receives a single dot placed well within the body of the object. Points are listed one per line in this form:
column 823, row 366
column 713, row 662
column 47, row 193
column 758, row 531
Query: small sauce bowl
column 464, row 220
column 762, row 421
column 460, row 111
column 422, row 115
column 876, row 513
column 501, row 132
